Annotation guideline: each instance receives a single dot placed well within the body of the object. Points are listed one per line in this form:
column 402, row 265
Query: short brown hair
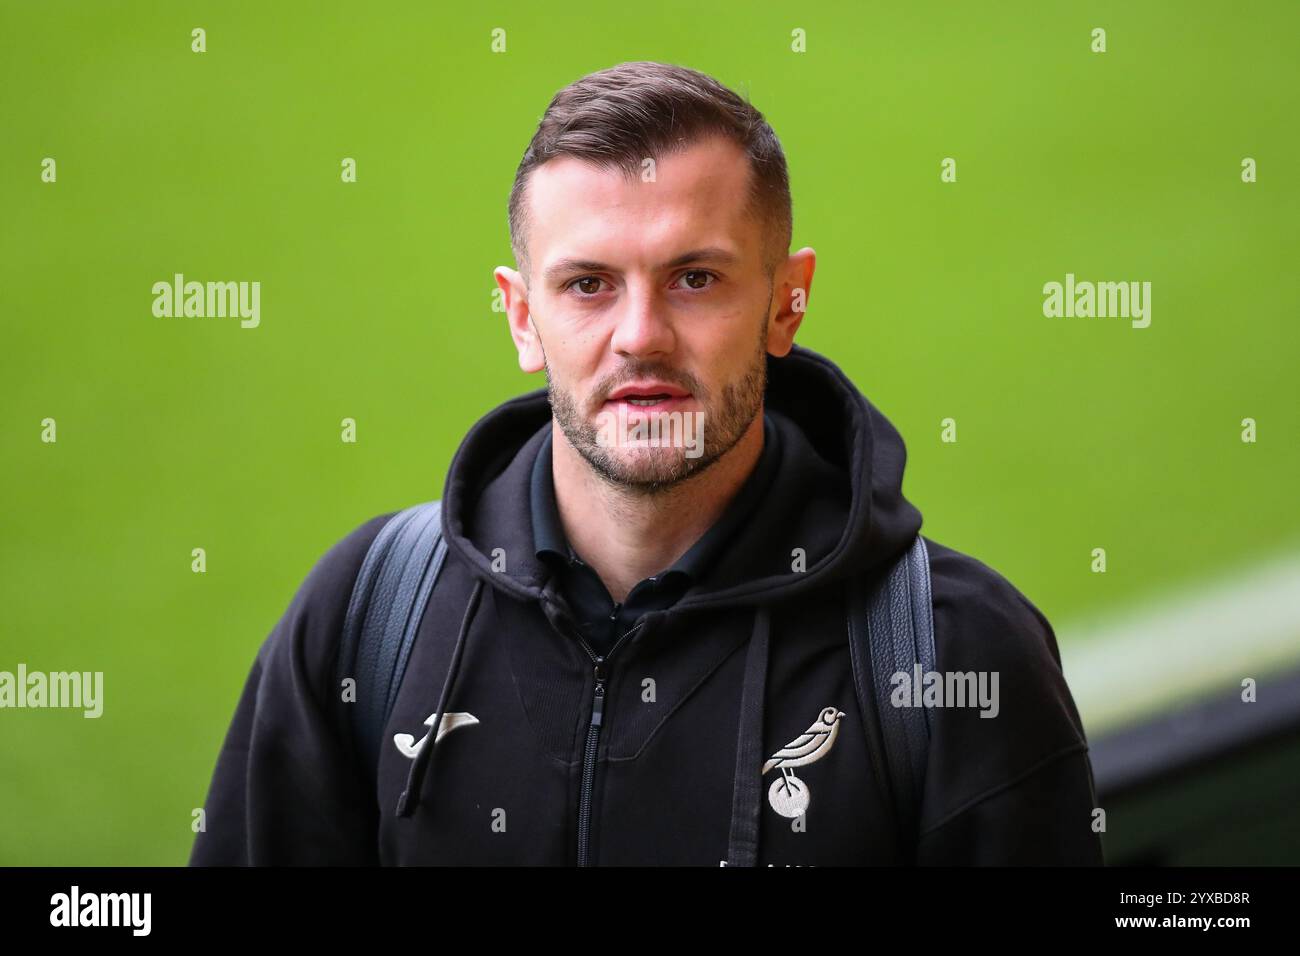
column 618, row 117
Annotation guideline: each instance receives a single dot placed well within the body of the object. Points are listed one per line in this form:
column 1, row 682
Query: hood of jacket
column 837, row 493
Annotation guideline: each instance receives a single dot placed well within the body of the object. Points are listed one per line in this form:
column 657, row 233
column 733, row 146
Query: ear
column 522, row 331
column 792, row 287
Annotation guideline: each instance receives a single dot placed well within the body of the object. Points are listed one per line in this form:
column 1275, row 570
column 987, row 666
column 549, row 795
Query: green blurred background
column 376, row 305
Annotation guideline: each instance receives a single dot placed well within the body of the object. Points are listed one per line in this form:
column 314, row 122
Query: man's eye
column 698, row 279
column 587, row 285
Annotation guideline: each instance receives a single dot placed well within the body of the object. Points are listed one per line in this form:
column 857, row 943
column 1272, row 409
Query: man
column 649, row 566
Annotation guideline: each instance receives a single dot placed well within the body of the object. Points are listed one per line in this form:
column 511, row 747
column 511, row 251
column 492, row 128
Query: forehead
column 699, row 195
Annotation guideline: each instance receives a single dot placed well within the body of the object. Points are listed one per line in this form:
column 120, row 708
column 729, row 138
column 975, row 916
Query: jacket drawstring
column 746, row 800
column 410, row 798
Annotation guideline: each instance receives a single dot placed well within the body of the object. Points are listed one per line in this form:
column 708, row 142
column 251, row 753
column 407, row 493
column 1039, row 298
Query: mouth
column 656, row 395
column 647, row 401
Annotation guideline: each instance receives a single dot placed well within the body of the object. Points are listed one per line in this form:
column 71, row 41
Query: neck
column 624, row 534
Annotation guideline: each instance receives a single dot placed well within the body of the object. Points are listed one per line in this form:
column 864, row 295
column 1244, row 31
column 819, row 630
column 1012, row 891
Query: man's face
column 648, row 305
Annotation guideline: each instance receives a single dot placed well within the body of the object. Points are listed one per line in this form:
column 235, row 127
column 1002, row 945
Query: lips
column 650, row 394
column 640, row 405
column 640, row 393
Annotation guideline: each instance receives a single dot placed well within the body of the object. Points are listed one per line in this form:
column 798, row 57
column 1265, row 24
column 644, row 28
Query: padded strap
column 898, row 635
column 388, row 601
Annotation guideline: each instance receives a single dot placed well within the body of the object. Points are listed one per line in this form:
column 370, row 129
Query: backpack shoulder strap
column 388, row 600
column 891, row 631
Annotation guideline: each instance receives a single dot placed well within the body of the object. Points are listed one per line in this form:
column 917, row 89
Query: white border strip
column 1201, row 639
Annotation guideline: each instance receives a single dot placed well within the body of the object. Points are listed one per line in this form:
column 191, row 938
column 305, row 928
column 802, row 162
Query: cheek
column 726, row 350
column 570, row 349
column 574, row 361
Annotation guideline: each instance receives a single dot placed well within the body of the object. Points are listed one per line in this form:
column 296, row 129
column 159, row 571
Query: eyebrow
column 568, row 266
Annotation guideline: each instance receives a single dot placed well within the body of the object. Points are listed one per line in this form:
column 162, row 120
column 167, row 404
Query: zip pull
column 598, row 704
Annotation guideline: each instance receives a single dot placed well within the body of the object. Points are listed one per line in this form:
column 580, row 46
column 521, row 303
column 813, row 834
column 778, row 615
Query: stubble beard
column 645, row 470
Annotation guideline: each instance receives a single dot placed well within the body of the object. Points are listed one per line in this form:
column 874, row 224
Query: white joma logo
column 410, row 747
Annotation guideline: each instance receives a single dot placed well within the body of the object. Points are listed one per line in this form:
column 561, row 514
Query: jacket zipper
column 593, row 739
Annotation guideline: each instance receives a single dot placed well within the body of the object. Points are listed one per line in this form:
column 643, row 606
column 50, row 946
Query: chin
column 647, row 468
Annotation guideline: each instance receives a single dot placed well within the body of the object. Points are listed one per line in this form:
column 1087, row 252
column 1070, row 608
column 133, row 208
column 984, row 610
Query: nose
column 642, row 327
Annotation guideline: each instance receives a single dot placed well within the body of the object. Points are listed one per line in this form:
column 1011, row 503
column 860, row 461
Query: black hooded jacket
column 752, row 659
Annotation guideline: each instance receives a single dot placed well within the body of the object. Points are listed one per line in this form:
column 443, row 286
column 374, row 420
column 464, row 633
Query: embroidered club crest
column 788, row 795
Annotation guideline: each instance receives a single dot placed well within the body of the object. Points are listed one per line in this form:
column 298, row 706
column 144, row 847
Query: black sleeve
column 1043, row 819
column 1011, row 786
column 287, row 789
